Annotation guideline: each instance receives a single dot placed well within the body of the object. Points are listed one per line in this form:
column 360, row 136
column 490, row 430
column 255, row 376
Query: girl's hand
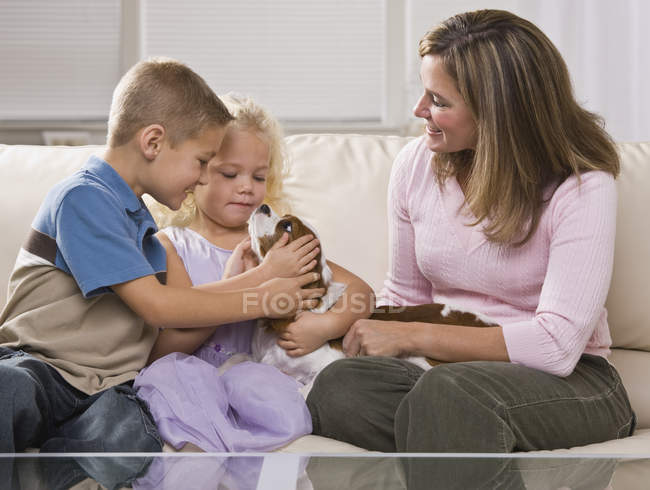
column 376, row 338
column 293, row 259
column 307, row 333
column 241, row 260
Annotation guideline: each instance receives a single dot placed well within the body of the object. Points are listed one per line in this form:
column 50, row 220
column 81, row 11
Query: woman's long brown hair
column 532, row 133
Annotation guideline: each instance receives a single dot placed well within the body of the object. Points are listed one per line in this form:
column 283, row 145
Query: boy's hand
column 293, row 259
column 241, row 260
column 283, row 297
column 307, row 333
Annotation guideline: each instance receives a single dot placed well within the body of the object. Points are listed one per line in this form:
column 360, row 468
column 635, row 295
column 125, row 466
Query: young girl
column 250, row 407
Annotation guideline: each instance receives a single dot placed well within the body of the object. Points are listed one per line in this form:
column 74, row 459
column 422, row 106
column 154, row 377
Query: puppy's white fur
column 448, row 309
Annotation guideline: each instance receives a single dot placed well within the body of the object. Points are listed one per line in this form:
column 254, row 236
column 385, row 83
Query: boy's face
column 175, row 171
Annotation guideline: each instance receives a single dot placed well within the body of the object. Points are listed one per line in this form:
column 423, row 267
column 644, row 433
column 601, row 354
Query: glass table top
column 279, row 471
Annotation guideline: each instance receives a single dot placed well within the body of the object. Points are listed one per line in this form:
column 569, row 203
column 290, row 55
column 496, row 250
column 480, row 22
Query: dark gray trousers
column 388, row 404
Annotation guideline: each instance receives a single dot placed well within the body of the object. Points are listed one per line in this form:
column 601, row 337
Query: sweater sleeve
column 581, row 229
column 404, row 285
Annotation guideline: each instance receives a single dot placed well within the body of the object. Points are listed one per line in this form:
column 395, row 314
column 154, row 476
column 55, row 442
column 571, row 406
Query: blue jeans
column 40, row 409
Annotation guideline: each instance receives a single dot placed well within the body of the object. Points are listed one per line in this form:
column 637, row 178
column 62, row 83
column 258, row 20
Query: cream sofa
column 338, row 183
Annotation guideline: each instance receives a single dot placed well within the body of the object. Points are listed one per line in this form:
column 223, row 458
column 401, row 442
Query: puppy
column 265, row 228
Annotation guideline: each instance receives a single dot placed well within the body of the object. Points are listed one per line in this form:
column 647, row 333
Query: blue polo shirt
column 93, row 227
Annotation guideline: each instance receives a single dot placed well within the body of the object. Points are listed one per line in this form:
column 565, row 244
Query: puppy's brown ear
column 266, row 242
column 298, row 229
column 285, row 225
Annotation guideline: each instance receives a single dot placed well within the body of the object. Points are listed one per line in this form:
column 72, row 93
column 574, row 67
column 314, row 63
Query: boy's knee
column 19, row 388
column 134, row 429
column 117, row 421
column 24, row 408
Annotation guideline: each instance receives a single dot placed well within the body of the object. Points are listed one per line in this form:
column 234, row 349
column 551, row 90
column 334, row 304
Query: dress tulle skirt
column 250, row 407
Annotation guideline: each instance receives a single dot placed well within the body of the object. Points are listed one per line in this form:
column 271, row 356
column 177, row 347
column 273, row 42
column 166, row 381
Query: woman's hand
column 293, row 259
column 242, row 259
column 307, row 333
column 376, row 338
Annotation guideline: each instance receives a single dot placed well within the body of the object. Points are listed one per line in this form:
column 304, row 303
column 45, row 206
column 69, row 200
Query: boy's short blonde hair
column 248, row 116
column 166, row 92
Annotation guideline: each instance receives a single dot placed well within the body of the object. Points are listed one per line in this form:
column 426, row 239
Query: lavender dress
column 251, row 407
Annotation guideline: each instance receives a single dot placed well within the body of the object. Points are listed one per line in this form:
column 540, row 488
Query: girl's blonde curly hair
column 249, row 116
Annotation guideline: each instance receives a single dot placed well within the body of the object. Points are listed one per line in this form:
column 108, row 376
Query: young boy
column 87, row 294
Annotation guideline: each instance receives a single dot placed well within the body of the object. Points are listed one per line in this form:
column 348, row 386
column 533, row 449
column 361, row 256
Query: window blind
column 59, row 60
column 305, row 60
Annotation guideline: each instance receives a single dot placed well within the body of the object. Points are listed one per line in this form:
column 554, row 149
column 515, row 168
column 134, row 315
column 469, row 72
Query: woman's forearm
column 455, row 343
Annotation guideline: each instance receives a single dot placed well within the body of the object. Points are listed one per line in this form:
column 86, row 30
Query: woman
column 505, row 206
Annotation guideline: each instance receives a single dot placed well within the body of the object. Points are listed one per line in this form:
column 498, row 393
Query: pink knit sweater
column 548, row 295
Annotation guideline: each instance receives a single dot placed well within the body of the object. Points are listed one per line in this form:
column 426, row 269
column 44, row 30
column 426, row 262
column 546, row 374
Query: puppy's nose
column 265, row 209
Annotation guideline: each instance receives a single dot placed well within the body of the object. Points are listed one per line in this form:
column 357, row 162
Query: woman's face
column 450, row 124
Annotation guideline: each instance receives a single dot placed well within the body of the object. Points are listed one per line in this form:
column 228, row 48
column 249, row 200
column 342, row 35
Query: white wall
column 604, row 43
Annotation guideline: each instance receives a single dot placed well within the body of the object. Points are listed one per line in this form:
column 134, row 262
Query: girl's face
column 450, row 124
column 236, row 180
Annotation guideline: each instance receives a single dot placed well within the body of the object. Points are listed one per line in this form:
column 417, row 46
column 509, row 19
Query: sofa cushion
column 634, row 366
column 636, row 444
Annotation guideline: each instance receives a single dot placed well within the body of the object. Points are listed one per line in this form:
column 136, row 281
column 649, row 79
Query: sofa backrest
column 628, row 303
column 26, row 174
column 338, row 184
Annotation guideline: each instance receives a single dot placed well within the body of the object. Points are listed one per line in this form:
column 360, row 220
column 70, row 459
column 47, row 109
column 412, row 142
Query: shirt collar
column 107, row 174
